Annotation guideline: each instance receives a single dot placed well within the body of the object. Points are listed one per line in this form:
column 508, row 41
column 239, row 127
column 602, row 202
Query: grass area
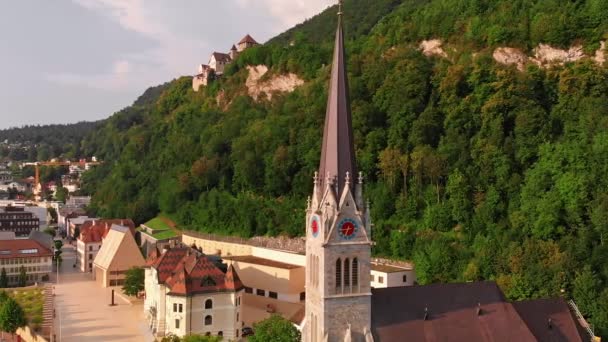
column 158, row 223
column 31, row 300
column 162, row 228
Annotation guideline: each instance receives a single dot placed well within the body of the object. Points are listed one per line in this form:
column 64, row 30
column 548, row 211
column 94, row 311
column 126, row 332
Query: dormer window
column 208, row 281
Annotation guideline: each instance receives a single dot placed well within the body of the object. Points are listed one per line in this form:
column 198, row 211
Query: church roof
column 549, row 320
column 248, row 39
column 337, row 151
column 474, row 311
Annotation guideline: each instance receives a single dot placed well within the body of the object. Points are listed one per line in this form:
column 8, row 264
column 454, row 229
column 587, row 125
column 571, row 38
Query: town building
column 118, row 253
column 17, row 220
column 74, row 224
column 92, row 234
column 390, row 275
column 218, row 61
column 187, row 293
column 33, row 256
column 64, row 214
column 271, row 287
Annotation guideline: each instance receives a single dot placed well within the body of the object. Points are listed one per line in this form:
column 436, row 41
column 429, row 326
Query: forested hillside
column 474, row 170
column 42, row 142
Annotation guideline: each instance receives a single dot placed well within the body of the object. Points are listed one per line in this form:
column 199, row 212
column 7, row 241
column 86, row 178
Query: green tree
column 3, row 279
column 62, row 194
column 22, row 279
column 275, row 329
column 134, row 281
column 12, row 316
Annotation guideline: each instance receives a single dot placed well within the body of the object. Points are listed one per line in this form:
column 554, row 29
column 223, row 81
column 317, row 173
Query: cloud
column 184, row 33
column 289, row 12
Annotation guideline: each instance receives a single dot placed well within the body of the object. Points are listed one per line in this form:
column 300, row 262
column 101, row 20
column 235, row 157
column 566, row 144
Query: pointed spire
column 338, row 151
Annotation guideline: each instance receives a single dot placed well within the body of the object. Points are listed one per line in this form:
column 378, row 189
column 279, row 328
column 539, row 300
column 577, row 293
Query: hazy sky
column 65, row 61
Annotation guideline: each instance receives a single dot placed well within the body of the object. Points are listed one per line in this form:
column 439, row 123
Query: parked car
column 246, row 331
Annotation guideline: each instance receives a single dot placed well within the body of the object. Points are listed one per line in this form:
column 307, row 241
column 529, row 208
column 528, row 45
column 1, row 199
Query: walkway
column 83, row 310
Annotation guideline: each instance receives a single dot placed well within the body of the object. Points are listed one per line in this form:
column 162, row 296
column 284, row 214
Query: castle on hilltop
column 218, row 62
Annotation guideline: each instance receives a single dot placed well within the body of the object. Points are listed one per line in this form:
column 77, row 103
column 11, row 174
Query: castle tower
column 338, row 236
column 233, row 53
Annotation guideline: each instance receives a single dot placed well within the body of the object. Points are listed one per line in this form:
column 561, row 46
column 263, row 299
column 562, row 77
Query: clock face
column 347, row 228
column 314, row 225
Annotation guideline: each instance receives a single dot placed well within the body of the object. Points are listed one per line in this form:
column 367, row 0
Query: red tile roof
column 186, row 271
column 25, row 248
column 95, row 230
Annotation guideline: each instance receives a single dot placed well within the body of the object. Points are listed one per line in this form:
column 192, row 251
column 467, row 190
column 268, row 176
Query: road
column 83, row 310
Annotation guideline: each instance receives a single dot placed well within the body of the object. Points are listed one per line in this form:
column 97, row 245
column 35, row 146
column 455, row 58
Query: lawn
column 31, row 300
column 162, row 228
column 157, row 223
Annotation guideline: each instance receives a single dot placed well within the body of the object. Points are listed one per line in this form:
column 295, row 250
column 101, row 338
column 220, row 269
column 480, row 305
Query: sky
column 64, row 61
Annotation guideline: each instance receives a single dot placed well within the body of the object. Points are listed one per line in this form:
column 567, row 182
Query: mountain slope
column 474, row 170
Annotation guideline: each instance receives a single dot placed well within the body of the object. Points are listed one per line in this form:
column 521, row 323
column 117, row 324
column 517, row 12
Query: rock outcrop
column 279, row 83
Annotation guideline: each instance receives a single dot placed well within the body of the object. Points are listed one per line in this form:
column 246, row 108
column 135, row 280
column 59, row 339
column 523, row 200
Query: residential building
column 17, row 220
column 64, row 214
column 187, row 293
column 78, row 201
column 92, row 234
column 118, row 253
column 33, row 256
column 74, row 224
column 389, row 275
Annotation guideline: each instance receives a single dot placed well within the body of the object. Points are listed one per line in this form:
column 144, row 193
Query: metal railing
column 588, row 327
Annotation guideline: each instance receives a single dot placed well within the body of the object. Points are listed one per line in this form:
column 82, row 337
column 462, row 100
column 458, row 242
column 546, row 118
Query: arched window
column 208, row 304
column 355, row 273
column 208, row 320
column 338, row 273
column 220, row 333
column 346, row 272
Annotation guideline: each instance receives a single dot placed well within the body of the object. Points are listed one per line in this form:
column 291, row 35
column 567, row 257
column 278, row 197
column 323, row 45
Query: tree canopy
column 275, row 329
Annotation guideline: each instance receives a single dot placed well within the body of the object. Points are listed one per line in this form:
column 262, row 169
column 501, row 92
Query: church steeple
column 338, row 152
column 338, row 235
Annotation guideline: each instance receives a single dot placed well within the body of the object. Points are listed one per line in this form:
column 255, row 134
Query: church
column 340, row 303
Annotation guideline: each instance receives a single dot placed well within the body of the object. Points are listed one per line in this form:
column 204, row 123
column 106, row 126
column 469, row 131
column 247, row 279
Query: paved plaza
column 83, row 310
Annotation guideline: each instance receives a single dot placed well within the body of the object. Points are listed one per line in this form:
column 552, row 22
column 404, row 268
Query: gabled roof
column 186, row 271
column 474, row 311
column 119, row 250
column 550, row 320
column 248, row 39
column 398, row 314
column 23, row 248
column 96, row 230
column 221, row 57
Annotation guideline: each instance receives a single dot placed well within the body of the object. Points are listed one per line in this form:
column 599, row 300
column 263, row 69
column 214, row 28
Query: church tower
column 338, row 236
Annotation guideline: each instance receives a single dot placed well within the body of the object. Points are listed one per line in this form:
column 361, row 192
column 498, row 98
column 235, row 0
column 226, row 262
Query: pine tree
column 22, row 281
column 3, row 278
